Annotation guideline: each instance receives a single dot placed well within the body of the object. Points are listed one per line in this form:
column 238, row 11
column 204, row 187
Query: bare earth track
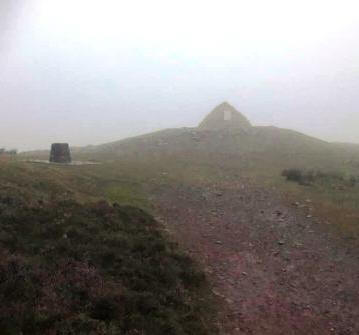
column 276, row 268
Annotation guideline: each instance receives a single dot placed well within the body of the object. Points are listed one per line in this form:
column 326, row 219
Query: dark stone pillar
column 60, row 153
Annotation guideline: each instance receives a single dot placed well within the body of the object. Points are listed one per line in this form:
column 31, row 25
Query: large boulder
column 60, row 153
column 225, row 117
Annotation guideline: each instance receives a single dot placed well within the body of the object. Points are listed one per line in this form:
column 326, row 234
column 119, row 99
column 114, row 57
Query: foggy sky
column 89, row 72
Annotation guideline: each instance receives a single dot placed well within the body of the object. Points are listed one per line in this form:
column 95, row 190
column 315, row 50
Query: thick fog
column 88, row 72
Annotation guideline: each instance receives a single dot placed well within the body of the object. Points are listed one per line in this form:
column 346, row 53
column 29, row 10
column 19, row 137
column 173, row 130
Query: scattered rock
column 259, row 249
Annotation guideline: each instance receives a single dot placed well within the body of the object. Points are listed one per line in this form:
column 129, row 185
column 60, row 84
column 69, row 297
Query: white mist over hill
column 95, row 71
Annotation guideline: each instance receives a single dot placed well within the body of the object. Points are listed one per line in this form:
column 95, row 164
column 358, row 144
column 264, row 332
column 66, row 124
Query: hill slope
column 72, row 263
column 220, row 138
column 281, row 259
column 274, row 147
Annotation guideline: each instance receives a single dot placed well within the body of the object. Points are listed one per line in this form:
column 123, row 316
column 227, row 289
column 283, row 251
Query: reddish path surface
column 277, row 270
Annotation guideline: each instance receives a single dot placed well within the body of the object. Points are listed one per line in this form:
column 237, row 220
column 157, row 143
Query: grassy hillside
column 261, row 152
column 117, row 244
column 272, row 147
column 268, row 141
column 259, row 155
column 74, row 264
column 130, row 171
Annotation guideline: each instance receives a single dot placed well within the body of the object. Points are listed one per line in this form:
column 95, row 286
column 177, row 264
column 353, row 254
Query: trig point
column 60, row 153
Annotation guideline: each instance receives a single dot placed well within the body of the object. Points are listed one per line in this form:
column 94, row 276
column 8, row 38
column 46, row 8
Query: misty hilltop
column 225, row 117
column 223, row 131
column 217, row 188
column 224, row 135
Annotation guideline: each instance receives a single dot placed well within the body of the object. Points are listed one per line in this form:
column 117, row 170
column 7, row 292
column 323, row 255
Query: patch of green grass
column 126, row 195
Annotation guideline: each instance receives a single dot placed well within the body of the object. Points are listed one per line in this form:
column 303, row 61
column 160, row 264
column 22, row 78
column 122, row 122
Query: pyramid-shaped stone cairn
column 225, row 117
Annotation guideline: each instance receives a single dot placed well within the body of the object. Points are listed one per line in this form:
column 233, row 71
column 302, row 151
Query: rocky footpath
column 276, row 268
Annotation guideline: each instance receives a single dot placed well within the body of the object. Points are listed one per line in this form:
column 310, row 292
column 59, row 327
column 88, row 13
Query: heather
column 96, row 268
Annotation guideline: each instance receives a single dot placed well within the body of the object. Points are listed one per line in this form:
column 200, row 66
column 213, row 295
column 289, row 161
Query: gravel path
column 277, row 270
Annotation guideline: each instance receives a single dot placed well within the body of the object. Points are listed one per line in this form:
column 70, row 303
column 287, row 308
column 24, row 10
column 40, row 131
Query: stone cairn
column 60, row 153
column 225, row 117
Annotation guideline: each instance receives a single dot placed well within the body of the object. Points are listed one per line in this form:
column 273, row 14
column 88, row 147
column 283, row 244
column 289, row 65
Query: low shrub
column 294, row 175
column 67, row 268
column 310, row 177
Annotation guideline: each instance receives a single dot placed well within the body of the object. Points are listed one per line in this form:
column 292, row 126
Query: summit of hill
column 225, row 117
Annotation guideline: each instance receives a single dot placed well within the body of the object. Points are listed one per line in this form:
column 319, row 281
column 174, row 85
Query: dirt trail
column 276, row 269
